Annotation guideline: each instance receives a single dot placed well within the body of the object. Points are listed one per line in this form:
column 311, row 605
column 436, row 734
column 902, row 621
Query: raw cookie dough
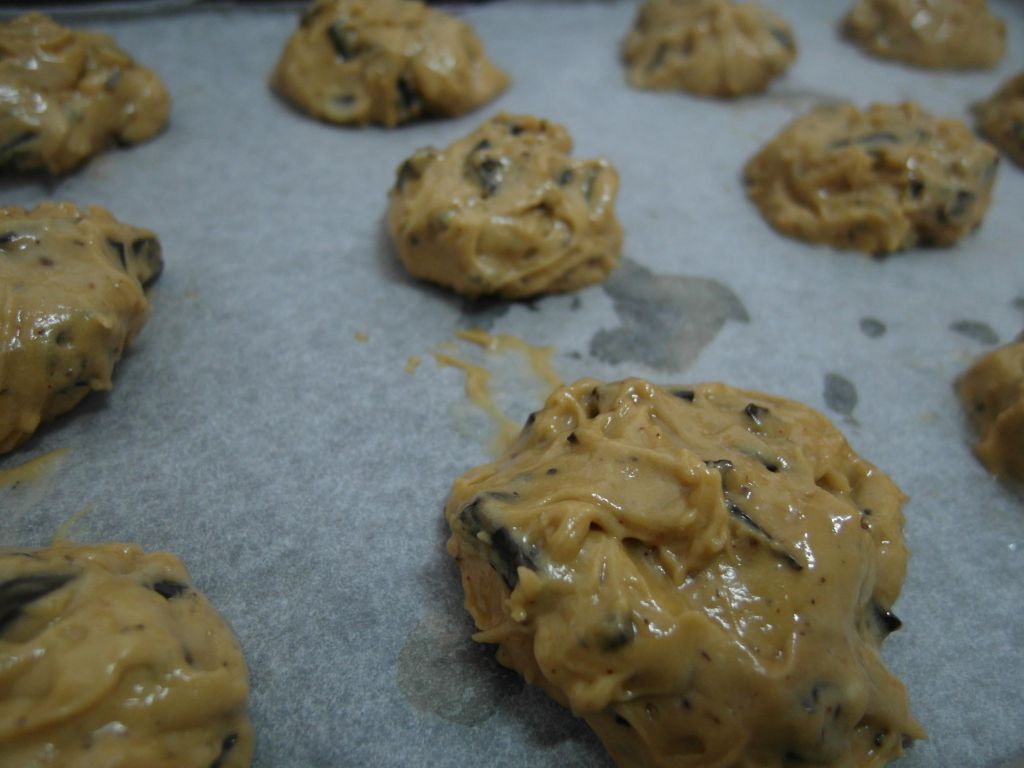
column 385, row 62
column 937, row 34
column 66, row 96
column 505, row 211
column 112, row 658
column 992, row 393
column 704, row 575
column 707, row 47
column 1000, row 118
column 880, row 180
column 71, row 298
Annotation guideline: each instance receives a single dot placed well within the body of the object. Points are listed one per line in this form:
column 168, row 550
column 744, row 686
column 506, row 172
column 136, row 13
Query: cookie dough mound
column 937, row 34
column 992, row 393
column 384, row 62
column 70, row 95
column 71, row 298
column 113, row 658
column 707, row 47
column 1000, row 119
column 505, row 211
column 880, row 180
column 705, row 575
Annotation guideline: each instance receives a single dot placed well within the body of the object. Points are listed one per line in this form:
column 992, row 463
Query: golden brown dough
column 937, row 34
column 707, row 47
column 70, row 95
column 112, row 658
column 880, row 180
column 1000, row 118
column 505, row 211
column 385, row 62
column 71, row 299
column 992, row 393
column 704, row 575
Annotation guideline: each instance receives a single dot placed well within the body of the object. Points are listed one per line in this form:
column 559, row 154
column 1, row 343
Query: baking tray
column 300, row 470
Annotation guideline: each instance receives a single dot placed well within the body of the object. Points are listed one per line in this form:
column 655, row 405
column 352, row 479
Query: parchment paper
column 300, row 473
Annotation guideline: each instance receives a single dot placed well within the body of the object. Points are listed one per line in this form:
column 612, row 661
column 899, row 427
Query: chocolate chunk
column 226, row 746
column 170, row 589
column 18, row 593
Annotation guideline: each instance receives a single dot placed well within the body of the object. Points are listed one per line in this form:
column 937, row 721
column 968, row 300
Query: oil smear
column 481, row 383
column 976, row 330
column 443, row 672
column 667, row 320
column 840, row 394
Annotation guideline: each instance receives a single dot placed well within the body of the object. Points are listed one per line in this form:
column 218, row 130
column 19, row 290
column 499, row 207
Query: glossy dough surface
column 384, row 62
column 992, row 393
column 1000, row 118
column 707, row 47
column 66, row 95
column 879, row 180
column 704, row 575
column 113, row 659
column 937, row 34
column 71, row 299
column 505, row 211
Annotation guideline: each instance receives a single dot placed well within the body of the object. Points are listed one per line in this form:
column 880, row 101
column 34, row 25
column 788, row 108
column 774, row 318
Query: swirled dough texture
column 505, row 211
column 707, row 47
column 880, row 180
column 385, row 62
column 936, row 34
column 704, row 575
column 71, row 299
column 1000, row 118
column 112, row 658
column 992, row 393
column 66, row 96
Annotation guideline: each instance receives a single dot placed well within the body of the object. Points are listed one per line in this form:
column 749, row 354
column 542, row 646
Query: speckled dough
column 66, row 96
column 992, row 393
column 880, row 180
column 1000, row 118
column 505, row 211
column 71, row 299
column 937, row 34
column 385, row 62
column 704, row 575
column 112, row 658
column 707, row 47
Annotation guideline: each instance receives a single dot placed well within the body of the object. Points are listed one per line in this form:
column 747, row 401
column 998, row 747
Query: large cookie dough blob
column 385, row 62
column 68, row 95
column 992, row 393
column 705, row 575
column 112, row 658
column 71, row 299
column 1000, row 118
column 505, row 211
column 937, row 34
column 880, row 180
column 707, row 47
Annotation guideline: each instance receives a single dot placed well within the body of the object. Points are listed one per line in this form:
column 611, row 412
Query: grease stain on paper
column 975, row 330
column 872, row 327
column 445, row 673
column 840, row 394
column 667, row 320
